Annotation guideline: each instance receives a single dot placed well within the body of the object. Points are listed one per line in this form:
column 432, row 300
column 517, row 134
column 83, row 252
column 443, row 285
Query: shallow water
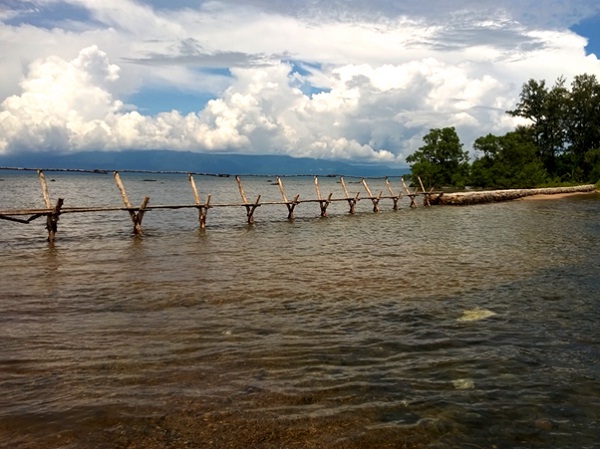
column 432, row 327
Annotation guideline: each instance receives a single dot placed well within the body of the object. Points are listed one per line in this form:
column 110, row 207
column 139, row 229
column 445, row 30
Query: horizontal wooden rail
column 53, row 212
column 84, row 209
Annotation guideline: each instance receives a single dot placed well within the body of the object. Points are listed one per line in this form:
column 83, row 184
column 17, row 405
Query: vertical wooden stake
column 376, row 199
column 250, row 207
column 137, row 224
column 351, row 201
column 241, row 189
column 202, row 208
column 324, row 204
column 136, row 218
column 204, row 211
column 426, row 194
column 52, row 220
column 52, row 217
column 290, row 204
column 194, row 190
column 45, row 193
column 410, row 194
column 395, row 198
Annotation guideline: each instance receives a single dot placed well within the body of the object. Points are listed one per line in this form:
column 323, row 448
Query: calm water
column 441, row 327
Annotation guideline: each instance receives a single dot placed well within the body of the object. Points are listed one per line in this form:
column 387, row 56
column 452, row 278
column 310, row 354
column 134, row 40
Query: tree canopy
column 561, row 142
column 508, row 161
column 442, row 160
column 565, row 124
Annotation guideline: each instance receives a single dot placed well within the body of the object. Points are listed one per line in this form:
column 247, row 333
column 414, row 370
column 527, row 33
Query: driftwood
column 490, row 196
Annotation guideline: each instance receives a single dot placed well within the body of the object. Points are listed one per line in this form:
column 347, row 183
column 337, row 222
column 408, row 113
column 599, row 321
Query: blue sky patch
column 153, row 101
column 590, row 28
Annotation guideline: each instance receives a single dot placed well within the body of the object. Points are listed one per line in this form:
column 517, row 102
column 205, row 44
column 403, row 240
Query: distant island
column 233, row 164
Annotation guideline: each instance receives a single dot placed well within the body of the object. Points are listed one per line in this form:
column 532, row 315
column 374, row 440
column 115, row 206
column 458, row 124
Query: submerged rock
column 544, row 424
column 476, row 315
column 463, row 384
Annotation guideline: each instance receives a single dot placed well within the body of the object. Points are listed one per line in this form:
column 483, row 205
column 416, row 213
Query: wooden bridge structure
column 53, row 210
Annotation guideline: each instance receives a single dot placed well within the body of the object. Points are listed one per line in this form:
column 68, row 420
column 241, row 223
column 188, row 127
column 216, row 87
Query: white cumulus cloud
column 360, row 81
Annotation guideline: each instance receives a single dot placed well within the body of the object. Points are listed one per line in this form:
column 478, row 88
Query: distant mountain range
column 231, row 164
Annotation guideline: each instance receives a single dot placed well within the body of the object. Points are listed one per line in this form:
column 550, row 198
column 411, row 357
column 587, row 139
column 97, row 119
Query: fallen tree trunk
column 491, row 196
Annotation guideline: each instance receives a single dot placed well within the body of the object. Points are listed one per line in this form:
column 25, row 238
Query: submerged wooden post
column 410, row 194
column 290, row 204
column 250, row 207
column 52, row 217
column 376, row 199
column 426, row 195
column 324, row 204
column 395, row 198
column 202, row 208
column 136, row 218
column 351, row 201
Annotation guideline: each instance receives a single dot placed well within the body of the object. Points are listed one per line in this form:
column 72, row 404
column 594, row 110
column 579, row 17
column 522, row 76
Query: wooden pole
column 410, row 194
column 45, row 193
column 202, row 208
column 136, row 218
column 426, row 194
column 395, row 198
column 351, row 201
column 250, row 207
column 324, row 204
column 137, row 224
column 194, row 190
column 52, row 217
column 376, row 199
column 290, row 204
column 52, row 220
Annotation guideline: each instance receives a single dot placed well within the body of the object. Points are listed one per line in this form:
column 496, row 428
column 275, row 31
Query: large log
column 491, row 196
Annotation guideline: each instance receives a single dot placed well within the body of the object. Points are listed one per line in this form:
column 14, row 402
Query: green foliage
column 592, row 160
column 547, row 109
column 565, row 125
column 560, row 146
column 441, row 161
column 508, row 161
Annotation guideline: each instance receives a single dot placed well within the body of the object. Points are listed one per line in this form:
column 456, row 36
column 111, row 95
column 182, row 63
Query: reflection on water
column 438, row 327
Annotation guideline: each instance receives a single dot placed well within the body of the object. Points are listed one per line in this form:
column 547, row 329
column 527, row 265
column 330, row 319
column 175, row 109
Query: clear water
column 434, row 327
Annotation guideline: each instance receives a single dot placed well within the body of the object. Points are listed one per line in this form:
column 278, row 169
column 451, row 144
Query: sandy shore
column 555, row 196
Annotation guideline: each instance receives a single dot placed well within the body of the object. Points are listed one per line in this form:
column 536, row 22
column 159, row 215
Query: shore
column 491, row 196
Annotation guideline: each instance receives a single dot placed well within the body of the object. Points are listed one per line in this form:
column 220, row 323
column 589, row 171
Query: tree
column 547, row 110
column 583, row 125
column 565, row 125
column 441, row 161
column 508, row 161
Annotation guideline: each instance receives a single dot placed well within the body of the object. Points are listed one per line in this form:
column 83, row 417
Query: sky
column 361, row 81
